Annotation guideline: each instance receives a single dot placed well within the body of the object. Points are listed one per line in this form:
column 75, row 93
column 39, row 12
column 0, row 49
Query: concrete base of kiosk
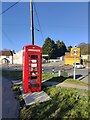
column 17, row 82
column 36, row 97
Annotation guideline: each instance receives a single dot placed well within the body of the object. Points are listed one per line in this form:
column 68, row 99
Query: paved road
column 0, row 97
column 81, row 74
column 10, row 106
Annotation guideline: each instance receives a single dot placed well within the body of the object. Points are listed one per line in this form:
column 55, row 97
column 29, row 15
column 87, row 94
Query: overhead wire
column 11, row 42
column 10, row 7
column 38, row 21
column 7, row 37
column 35, row 13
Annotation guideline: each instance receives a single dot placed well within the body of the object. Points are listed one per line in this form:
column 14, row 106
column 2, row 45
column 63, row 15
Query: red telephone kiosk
column 32, row 68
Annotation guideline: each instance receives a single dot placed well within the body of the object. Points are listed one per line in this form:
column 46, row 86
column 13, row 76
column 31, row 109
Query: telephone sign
column 75, row 52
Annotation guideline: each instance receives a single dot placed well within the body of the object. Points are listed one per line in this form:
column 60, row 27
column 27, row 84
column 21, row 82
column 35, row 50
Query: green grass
column 52, row 77
column 72, row 81
column 64, row 103
column 47, row 76
column 56, row 78
column 16, row 75
column 12, row 74
column 0, row 72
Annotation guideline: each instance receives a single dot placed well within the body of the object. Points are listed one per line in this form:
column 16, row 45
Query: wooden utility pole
column 32, row 21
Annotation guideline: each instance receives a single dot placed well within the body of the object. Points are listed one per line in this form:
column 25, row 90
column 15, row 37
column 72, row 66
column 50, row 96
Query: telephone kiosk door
column 32, row 68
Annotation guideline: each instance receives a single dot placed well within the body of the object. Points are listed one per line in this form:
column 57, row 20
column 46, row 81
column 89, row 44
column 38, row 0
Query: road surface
column 81, row 74
column 10, row 105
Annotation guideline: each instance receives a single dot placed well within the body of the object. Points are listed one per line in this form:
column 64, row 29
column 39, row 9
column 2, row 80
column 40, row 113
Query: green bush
column 65, row 103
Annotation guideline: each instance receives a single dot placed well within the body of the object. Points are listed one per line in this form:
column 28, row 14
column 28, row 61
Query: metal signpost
column 75, row 52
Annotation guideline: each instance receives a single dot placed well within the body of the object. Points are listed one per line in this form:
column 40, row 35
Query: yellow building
column 69, row 58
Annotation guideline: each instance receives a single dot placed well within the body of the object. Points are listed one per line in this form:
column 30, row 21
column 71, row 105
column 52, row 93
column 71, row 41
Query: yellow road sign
column 75, row 52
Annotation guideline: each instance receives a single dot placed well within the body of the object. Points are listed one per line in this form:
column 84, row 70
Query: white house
column 6, row 57
column 17, row 58
column 85, row 57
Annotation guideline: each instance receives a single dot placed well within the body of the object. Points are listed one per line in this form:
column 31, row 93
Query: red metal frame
column 32, row 68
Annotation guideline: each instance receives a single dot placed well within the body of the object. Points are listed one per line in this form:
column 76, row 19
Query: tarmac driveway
column 10, row 105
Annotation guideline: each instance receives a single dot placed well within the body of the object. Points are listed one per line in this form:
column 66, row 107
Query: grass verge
column 16, row 75
column 65, row 103
column 56, row 78
column 12, row 74
column 72, row 81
